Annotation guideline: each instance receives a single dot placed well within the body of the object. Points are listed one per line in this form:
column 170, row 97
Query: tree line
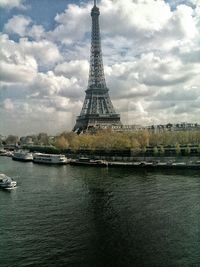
column 108, row 140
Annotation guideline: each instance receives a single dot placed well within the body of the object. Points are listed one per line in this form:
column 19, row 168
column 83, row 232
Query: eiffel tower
column 97, row 110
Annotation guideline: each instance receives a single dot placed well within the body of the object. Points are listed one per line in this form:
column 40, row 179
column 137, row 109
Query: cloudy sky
column 151, row 52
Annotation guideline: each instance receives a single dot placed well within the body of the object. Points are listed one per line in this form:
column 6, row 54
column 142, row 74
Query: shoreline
column 142, row 163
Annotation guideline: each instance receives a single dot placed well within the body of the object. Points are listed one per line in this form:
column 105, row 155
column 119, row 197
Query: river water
column 99, row 217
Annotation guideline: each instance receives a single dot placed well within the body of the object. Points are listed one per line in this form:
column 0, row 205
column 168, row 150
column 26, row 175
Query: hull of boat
column 22, row 159
column 95, row 164
column 7, row 186
column 49, row 163
column 154, row 166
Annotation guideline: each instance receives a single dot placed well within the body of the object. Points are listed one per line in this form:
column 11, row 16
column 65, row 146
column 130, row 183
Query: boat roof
column 21, row 151
column 44, row 154
column 2, row 175
column 5, row 177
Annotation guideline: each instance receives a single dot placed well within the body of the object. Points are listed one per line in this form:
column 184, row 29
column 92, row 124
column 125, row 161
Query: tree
column 162, row 150
column 188, row 150
column 12, row 140
column 155, row 151
column 108, row 140
column 178, row 149
column 198, row 149
column 143, row 138
column 75, row 143
column 62, row 143
column 43, row 139
column 135, row 144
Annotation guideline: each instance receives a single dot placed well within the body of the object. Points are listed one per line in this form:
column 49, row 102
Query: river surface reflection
column 88, row 216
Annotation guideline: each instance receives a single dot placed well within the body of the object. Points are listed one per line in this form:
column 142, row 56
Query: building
column 173, row 127
column 97, row 109
column 2, row 139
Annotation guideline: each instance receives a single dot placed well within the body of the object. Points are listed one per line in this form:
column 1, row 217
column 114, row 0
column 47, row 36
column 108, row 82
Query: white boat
column 22, row 155
column 9, row 154
column 177, row 164
column 3, row 152
column 7, row 182
column 82, row 161
column 49, row 158
column 6, row 153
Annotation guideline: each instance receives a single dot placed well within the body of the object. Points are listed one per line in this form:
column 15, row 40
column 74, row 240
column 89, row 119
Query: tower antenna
column 95, row 2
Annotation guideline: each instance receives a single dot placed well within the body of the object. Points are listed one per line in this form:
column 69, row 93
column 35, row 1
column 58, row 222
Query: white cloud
column 11, row 3
column 184, row 21
column 152, row 64
column 36, row 32
column 78, row 69
column 73, row 24
column 137, row 27
column 43, row 119
column 24, row 27
column 48, row 84
column 18, row 25
column 21, row 59
column 15, row 65
column 45, row 52
column 8, row 104
column 139, row 15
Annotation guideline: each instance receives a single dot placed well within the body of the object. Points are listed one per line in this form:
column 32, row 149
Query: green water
column 87, row 216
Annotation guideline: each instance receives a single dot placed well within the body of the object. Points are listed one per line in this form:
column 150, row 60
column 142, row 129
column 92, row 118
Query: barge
column 88, row 162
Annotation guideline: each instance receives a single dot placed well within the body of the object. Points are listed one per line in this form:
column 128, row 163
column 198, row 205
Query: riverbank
column 139, row 164
column 151, row 163
column 147, row 159
column 157, row 165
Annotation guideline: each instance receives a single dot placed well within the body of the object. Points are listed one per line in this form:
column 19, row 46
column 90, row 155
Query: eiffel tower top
column 96, row 75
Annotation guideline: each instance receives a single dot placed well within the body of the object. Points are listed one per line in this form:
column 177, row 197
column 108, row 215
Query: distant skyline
column 151, row 52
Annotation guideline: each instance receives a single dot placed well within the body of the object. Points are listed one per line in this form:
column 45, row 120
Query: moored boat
column 7, row 153
column 6, row 182
column 157, row 165
column 3, row 152
column 49, row 158
column 22, row 156
column 82, row 161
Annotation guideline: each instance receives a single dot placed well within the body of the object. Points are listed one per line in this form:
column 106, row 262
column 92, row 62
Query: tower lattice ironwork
column 97, row 109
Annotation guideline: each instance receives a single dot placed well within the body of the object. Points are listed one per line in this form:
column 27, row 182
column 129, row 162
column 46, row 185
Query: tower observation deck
column 97, row 110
